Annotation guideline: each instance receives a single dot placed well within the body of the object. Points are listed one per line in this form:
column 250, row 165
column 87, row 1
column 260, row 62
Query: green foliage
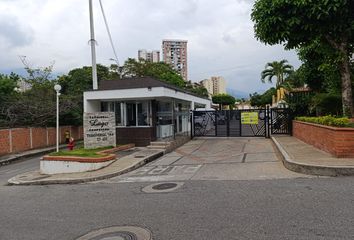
column 223, row 99
column 300, row 104
column 82, row 152
column 294, row 80
column 74, row 84
column 261, row 100
column 297, row 22
column 327, row 104
column 320, row 70
column 302, row 23
column 327, row 120
column 276, row 69
column 160, row 70
column 8, row 83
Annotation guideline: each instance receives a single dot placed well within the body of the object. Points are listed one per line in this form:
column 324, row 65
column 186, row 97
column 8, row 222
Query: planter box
column 68, row 164
column 337, row 141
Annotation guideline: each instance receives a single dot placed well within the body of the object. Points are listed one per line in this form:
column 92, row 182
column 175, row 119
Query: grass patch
column 81, row 152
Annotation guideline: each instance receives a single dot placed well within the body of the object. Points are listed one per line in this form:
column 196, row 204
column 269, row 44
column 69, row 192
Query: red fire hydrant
column 71, row 144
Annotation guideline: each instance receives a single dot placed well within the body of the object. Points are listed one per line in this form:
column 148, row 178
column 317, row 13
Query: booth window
column 115, row 107
column 138, row 114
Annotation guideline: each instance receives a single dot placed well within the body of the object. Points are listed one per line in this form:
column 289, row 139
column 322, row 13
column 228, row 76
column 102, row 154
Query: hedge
column 328, row 121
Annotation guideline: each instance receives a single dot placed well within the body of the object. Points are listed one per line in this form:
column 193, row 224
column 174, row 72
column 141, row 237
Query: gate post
column 191, row 116
column 267, row 122
column 228, row 123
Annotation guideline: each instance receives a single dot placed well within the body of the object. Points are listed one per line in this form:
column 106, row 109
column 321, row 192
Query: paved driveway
column 215, row 159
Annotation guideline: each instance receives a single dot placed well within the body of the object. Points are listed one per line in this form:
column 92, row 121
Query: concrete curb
column 320, row 170
column 16, row 181
column 31, row 153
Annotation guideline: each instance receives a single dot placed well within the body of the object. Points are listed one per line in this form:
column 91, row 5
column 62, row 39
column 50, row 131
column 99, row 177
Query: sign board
column 249, row 117
column 99, row 129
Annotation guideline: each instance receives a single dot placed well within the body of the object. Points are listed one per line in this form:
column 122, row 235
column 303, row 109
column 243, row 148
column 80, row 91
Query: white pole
column 57, row 88
column 58, row 121
column 93, row 50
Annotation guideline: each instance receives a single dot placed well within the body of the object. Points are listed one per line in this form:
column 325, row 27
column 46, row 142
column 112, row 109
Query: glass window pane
column 118, row 113
column 143, row 114
column 104, row 106
column 131, row 114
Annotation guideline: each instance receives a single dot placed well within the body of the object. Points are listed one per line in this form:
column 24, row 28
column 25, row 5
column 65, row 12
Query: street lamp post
column 57, row 88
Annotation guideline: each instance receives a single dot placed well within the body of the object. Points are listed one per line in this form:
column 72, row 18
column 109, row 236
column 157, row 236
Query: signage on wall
column 249, row 117
column 99, row 129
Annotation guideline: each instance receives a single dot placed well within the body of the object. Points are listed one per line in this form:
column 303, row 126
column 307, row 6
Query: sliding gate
column 241, row 123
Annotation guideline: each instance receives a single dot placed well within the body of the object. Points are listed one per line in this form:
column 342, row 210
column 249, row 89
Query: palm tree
column 278, row 70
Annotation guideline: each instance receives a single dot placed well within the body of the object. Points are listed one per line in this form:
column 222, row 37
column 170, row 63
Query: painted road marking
column 166, row 170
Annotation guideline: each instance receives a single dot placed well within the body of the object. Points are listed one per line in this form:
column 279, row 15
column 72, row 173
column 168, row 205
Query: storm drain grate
column 164, row 186
column 118, row 233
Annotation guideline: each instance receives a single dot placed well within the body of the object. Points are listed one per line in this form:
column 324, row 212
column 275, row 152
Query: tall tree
column 299, row 23
column 276, row 69
column 162, row 71
column 223, row 99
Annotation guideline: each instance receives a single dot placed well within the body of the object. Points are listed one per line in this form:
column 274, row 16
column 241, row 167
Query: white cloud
column 219, row 33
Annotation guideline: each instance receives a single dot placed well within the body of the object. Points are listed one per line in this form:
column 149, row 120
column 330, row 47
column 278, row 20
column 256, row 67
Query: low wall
column 337, row 141
column 140, row 136
column 14, row 140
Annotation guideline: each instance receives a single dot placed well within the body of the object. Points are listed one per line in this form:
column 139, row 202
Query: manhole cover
column 118, row 233
column 164, row 186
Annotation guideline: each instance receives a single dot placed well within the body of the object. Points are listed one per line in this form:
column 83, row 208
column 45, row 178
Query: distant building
column 175, row 54
column 23, row 86
column 215, row 85
column 150, row 56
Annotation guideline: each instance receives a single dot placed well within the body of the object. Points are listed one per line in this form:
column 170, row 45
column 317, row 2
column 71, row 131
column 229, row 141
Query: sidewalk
column 7, row 159
column 122, row 165
column 303, row 158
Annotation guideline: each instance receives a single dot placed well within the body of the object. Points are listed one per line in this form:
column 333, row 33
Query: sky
column 220, row 36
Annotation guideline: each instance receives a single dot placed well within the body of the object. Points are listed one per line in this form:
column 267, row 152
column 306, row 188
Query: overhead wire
column 109, row 34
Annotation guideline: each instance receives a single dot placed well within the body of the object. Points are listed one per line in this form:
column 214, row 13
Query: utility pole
column 93, row 50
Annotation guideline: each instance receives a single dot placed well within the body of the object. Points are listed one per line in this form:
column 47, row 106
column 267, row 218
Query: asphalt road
column 283, row 206
column 18, row 167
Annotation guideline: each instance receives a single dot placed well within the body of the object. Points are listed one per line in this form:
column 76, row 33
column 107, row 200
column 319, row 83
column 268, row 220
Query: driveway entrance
column 215, row 159
column 241, row 123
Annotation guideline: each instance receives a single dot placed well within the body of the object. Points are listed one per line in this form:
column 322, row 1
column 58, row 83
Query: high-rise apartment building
column 150, row 56
column 215, row 85
column 175, row 53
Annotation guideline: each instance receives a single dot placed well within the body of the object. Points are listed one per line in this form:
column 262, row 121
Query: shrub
column 327, row 104
column 327, row 120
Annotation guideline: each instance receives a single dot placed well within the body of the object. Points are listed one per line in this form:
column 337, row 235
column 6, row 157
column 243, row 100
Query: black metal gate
column 241, row 123
column 281, row 121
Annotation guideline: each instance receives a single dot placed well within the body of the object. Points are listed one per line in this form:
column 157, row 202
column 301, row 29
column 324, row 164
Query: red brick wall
column 337, row 141
column 51, row 136
column 39, row 137
column 4, row 141
column 21, row 140
column 30, row 138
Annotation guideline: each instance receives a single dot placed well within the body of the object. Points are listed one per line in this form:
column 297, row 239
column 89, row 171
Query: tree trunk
column 347, row 97
column 345, row 74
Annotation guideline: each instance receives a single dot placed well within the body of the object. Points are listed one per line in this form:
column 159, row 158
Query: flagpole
column 93, row 49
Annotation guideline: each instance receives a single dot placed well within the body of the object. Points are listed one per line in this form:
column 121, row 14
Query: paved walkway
column 301, row 157
column 215, row 159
